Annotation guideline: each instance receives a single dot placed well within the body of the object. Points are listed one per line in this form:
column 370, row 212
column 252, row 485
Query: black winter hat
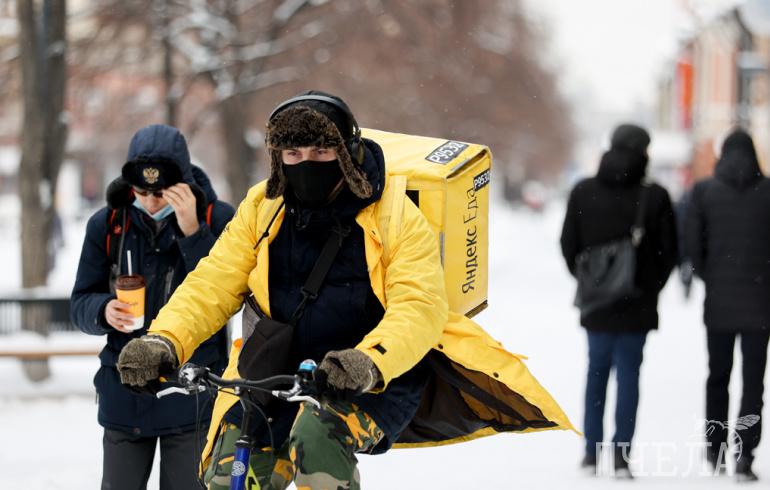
column 630, row 137
column 313, row 123
column 152, row 173
column 336, row 115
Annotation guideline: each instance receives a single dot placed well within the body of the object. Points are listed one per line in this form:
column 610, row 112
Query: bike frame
column 196, row 379
column 243, row 447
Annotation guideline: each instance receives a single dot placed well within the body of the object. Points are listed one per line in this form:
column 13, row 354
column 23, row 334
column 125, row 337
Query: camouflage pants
column 318, row 455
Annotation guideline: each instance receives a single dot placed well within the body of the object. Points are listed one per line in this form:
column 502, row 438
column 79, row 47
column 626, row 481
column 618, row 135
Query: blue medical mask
column 160, row 215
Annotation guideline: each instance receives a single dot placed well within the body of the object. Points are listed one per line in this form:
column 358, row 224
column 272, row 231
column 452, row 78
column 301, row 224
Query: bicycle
column 196, row 379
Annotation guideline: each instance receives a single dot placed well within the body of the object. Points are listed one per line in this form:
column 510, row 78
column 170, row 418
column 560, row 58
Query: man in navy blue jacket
column 164, row 210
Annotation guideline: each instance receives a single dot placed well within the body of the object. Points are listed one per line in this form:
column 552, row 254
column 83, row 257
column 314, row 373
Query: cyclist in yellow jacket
column 401, row 367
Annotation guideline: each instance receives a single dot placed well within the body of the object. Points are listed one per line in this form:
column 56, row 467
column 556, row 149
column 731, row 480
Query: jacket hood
column 202, row 180
column 373, row 168
column 738, row 166
column 622, row 167
column 158, row 157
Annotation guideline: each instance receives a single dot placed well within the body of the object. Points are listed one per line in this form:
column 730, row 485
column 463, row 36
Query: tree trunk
column 171, row 98
column 239, row 155
column 43, row 135
column 168, row 79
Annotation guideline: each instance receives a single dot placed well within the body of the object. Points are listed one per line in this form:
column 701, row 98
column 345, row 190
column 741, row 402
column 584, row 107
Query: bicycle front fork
column 243, row 447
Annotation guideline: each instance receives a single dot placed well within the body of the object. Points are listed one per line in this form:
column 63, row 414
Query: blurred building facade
column 720, row 79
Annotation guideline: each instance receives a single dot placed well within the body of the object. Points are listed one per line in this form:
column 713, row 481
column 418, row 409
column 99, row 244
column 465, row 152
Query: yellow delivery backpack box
column 449, row 182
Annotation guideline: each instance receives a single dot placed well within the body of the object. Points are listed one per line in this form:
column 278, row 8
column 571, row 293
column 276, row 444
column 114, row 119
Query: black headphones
column 353, row 143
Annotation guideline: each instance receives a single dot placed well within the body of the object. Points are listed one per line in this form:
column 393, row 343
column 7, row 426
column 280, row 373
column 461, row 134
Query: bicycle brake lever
column 180, row 390
column 292, row 396
column 304, row 398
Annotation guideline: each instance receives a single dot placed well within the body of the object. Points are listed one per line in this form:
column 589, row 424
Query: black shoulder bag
column 267, row 343
column 606, row 273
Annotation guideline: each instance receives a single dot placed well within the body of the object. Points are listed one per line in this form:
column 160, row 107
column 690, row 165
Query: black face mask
column 313, row 182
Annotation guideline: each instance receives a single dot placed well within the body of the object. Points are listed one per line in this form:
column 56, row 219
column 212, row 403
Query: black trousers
column 128, row 461
column 748, row 428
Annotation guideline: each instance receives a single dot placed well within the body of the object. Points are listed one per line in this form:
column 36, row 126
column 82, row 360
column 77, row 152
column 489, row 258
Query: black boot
column 743, row 471
column 622, row 471
column 716, row 462
column 588, row 464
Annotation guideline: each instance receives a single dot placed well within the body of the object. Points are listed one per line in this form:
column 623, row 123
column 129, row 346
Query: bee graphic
column 734, row 427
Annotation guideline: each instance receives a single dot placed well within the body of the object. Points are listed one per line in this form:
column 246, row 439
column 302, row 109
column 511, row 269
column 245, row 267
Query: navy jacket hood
column 202, row 180
column 157, row 158
column 161, row 141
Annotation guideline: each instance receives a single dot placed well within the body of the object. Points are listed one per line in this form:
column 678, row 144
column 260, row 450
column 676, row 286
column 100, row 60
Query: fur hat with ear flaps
column 306, row 124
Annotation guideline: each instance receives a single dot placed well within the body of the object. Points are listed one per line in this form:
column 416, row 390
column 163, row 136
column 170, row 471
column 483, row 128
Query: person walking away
column 602, row 209
column 164, row 211
column 728, row 241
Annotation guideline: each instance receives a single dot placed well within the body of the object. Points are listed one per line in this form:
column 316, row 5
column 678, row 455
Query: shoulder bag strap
column 638, row 230
column 266, row 233
column 320, row 269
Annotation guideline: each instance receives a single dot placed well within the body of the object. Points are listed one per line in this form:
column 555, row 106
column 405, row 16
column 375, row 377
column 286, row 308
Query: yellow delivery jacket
column 479, row 388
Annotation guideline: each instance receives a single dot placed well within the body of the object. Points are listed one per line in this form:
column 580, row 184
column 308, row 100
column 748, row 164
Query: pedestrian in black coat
column 602, row 209
column 172, row 219
column 728, row 241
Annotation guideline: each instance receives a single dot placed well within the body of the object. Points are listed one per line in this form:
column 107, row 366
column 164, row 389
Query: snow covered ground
column 530, row 297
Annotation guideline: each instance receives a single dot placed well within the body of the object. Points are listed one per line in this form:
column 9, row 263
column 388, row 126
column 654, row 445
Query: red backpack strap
column 209, row 208
column 110, row 221
column 118, row 223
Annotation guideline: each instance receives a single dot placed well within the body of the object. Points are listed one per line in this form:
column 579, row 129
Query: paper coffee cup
column 130, row 289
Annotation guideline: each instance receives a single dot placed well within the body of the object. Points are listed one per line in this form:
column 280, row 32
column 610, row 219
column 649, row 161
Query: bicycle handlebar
column 196, row 379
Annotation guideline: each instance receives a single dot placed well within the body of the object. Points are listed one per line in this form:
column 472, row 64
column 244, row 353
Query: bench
column 42, row 354
column 55, row 308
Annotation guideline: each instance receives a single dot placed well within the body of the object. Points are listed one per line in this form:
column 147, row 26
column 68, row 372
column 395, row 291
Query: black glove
column 348, row 370
column 142, row 361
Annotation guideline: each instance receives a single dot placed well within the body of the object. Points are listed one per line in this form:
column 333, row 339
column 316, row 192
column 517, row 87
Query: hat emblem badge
column 151, row 175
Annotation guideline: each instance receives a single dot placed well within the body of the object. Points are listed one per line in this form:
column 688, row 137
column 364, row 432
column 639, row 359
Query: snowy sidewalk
column 530, row 312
